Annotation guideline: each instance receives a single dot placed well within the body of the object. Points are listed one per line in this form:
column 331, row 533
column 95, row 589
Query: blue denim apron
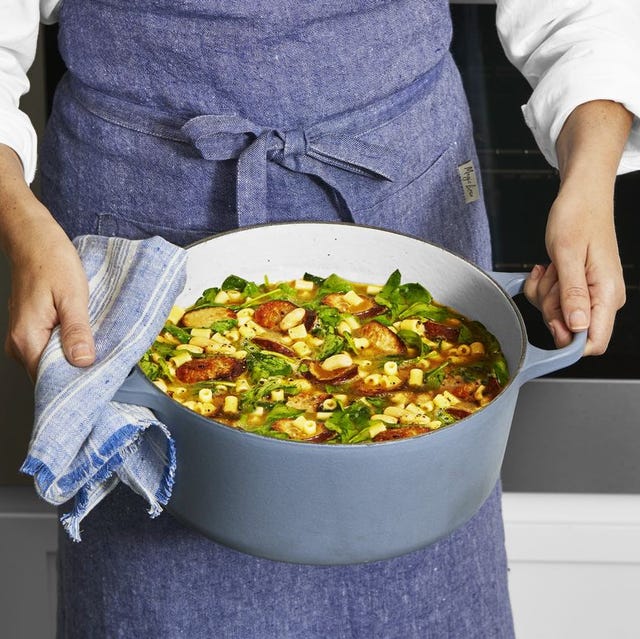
column 190, row 117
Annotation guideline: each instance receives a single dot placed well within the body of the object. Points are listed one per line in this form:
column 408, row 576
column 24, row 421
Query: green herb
column 442, row 416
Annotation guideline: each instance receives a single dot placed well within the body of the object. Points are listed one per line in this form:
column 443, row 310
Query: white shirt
column 570, row 51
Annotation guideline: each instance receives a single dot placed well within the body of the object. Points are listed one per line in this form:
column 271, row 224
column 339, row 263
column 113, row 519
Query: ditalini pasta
column 326, row 360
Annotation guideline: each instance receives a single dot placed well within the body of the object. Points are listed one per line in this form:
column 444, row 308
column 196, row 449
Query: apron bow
column 226, row 137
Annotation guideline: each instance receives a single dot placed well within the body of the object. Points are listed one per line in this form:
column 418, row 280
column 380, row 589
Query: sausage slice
column 382, row 339
column 205, row 317
column 208, row 368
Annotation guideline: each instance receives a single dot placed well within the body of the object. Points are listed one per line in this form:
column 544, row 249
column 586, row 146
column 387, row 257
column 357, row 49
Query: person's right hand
column 48, row 287
column 48, row 283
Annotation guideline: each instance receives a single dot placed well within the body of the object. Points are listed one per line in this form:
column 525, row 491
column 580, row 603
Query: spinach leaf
column 163, row 349
column 154, row 369
column 331, row 345
column 282, row 411
column 234, row 283
column 413, row 341
column 390, row 286
column 259, row 393
column 404, row 300
column 149, row 368
column 348, row 422
column 327, row 319
column 465, row 336
column 207, row 298
column 179, row 333
column 434, row 378
column 308, row 277
column 264, row 365
column 221, row 326
column 334, row 284
column 501, row 370
column 425, row 310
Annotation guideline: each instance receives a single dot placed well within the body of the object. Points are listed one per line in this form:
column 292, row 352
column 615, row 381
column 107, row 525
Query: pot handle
column 137, row 389
column 540, row 361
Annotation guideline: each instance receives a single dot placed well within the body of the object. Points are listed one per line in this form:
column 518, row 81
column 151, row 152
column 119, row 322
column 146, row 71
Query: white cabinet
column 574, row 565
column 28, row 548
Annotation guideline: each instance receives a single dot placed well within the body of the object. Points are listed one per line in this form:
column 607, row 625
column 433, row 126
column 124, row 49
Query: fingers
column 31, row 327
column 563, row 308
column 27, row 348
column 542, row 289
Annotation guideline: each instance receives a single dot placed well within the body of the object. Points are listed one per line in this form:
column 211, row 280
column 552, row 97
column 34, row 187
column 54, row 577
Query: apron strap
column 225, row 137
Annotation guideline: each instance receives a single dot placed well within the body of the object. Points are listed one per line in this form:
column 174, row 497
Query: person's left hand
column 583, row 286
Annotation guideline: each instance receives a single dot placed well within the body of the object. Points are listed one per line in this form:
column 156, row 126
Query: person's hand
column 48, row 283
column 583, row 287
column 48, row 287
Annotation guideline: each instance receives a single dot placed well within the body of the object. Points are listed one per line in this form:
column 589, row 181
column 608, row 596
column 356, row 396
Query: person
column 188, row 119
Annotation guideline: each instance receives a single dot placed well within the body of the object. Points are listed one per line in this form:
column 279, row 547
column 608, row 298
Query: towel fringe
column 40, row 471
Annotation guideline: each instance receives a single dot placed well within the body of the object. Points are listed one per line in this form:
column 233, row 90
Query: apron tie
column 226, row 137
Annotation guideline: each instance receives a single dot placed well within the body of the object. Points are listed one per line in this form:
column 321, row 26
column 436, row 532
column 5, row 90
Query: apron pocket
column 432, row 207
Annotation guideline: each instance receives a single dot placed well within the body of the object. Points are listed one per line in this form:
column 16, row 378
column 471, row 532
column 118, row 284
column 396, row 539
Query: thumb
column 575, row 298
column 75, row 333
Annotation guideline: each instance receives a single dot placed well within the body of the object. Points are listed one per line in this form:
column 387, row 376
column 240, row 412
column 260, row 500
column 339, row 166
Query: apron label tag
column 469, row 182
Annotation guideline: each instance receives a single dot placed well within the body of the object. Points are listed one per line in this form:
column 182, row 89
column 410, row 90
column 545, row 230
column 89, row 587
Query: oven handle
column 540, row 361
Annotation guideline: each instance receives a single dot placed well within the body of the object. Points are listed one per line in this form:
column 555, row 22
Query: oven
column 576, row 430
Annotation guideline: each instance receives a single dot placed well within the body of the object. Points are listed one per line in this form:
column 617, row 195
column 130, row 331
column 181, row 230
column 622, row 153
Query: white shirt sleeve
column 571, row 52
column 19, row 24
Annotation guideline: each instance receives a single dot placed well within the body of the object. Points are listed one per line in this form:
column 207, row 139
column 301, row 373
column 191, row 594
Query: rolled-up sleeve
column 19, row 24
column 572, row 52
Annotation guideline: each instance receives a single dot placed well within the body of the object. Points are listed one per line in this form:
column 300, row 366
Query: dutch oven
column 332, row 503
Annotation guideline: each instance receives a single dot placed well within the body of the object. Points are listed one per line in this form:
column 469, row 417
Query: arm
column 48, row 283
column 583, row 287
column 579, row 57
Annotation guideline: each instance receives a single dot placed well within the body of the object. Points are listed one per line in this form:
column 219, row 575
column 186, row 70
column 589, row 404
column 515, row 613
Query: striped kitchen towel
column 84, row 443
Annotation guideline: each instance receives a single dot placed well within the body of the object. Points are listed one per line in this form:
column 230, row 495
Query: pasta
column 326, row 360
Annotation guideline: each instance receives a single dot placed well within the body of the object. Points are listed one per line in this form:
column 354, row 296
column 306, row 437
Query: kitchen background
column 571, row 472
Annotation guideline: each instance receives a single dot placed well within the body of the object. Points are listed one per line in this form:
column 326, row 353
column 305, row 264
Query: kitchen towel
column 83, row 443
